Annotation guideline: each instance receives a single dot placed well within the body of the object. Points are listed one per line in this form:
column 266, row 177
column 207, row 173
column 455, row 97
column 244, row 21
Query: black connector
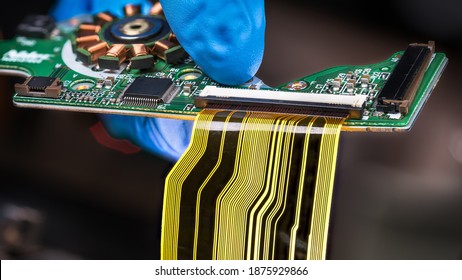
column 36, row 26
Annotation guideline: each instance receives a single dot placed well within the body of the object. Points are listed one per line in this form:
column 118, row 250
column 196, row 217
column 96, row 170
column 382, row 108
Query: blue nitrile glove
column 224, row 37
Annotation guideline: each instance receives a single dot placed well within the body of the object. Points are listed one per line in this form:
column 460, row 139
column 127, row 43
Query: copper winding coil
column 119, row 51
column 85, row 41
column 88, row 29
column 139, row 49
column 93, row 46
column 103, row 18
column 156, row 9
column 160, row 47
column 132, row 10
column 172, row 38
column 97, row 50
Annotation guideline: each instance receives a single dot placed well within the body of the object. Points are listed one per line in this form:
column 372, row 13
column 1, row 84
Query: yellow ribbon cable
column 252, row 186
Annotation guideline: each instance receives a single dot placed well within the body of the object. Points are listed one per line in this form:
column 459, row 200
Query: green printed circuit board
column 85, row 65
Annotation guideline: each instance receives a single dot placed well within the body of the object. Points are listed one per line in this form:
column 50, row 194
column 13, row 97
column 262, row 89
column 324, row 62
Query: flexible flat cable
column 252, row 185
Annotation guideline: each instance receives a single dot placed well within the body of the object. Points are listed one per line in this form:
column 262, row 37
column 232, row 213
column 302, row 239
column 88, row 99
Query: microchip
column 36, row 26
column 39, row 87
column 145, row 91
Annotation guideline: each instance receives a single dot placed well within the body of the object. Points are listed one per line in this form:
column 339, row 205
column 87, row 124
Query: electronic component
column 86, row 41
column 36, row 26
column 350, row 85
column 401, row 87
column 336, row 84
column 141, row 59
column 145, row 91
column 111, row 41
column 115, row 56
column 109, row 82
column 103, row 18
column 39, row 87
column 156, row 9
column 282, row 102
column 365, row 79
column 132, row 10
column 91, row 54
column 168, row 51
column 187, row 88
column 172, row 38
column 88, row 29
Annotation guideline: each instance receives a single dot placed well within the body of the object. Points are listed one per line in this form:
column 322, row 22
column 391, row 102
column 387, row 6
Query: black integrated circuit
column 146, row 91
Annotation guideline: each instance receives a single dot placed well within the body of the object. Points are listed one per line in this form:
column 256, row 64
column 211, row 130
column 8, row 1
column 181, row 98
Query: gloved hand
column 224, row 37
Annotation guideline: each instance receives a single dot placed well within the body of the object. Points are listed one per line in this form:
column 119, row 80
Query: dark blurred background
column 397, row 195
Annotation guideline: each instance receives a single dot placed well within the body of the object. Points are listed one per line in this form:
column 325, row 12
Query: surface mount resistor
column 365, row 79
column 187, row 88
column 350, row 85
column 336, row 84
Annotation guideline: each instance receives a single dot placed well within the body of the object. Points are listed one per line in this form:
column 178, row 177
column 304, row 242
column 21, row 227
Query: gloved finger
column 164, row 137
column 65, row 9
column 224, row 37
column 116, row 7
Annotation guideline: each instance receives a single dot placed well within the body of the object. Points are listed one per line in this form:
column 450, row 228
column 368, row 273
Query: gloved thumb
column 224, row 37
